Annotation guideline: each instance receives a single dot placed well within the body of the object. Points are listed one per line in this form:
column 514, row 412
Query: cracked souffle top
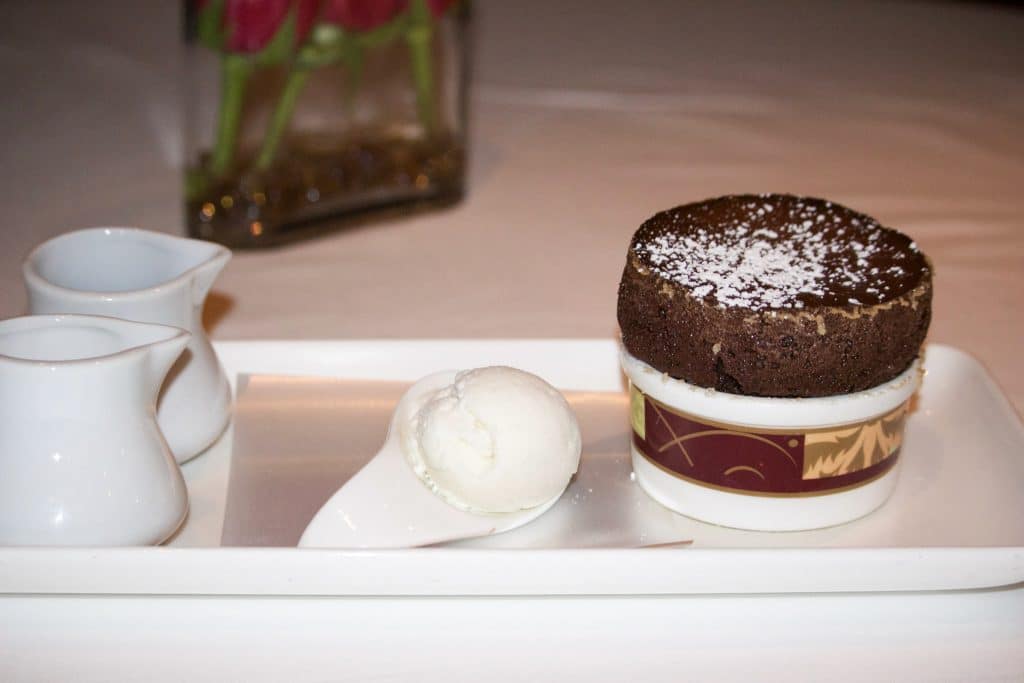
column 774, row 295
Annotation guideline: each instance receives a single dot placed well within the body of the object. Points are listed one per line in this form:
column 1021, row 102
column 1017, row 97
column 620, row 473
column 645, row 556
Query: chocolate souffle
column 774, row 295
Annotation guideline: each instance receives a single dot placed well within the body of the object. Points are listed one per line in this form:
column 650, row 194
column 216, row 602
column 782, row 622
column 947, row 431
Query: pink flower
column 362, row 15
column 250, row 24
column 366, row 15
column 439, row 7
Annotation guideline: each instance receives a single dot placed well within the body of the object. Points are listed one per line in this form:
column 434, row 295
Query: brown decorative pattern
column 834, row 453
column 759, row 462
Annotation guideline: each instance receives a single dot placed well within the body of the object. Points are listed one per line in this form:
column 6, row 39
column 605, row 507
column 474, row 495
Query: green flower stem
column 419, row 37
column 234, row 73
column 352, row 56
column 282, row 114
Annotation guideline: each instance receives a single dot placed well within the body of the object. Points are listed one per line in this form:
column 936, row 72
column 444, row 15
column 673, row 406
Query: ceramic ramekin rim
column 768, row 412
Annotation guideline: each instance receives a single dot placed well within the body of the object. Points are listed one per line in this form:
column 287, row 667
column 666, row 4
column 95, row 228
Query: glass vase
column 306, row 115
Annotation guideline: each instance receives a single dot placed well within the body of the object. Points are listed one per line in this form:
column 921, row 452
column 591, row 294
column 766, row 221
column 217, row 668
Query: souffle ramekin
column 766, row 464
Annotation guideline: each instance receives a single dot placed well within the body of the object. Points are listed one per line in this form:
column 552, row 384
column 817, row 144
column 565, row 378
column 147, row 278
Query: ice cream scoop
column 497, row 439
column 387, row 505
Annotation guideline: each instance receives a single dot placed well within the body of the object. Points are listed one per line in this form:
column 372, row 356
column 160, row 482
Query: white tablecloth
column 587, row 117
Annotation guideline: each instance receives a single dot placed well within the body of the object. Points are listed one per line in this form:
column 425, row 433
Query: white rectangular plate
column 953, row 522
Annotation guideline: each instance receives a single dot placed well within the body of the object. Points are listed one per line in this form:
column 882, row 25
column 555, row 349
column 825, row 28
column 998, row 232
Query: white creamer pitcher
column 82, row 461
column 147, row 277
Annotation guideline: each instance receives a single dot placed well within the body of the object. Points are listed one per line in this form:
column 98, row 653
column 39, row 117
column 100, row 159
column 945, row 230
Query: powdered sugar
column 786, row 253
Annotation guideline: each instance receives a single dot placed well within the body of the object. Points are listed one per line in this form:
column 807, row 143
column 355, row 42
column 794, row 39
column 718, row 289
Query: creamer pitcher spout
column 207, row 271
column 161, row 355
